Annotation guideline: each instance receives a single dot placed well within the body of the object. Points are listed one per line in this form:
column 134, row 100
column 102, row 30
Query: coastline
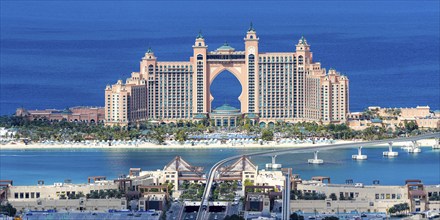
column 168, row 145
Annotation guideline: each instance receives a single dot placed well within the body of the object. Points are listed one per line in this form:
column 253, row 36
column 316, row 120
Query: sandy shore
column 22, row 146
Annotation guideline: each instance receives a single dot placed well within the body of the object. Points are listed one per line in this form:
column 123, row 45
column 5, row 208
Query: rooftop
column 226, row 107
column 376, row 120
column 226, row 46
column 200, row 116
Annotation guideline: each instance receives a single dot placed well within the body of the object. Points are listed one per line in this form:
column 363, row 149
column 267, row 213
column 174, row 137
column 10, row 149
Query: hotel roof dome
column 226, row 107
column 66, row 111
column 226, row 110
column 226, row 46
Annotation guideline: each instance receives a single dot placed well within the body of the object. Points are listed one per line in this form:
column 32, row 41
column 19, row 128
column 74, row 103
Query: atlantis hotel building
column 276, row 86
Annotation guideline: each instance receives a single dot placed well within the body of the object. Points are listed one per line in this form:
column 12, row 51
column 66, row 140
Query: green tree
column 79, row 195
column 295, row 216
column 201, row 126
column 181, row 135
column 248, row 182
column 158, row 135
column 170, row 188
column 8, row 209
column 267, row 135
column 411, row 126
column 399, row 208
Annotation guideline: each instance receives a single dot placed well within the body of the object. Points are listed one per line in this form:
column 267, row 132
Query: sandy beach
column 146, row 145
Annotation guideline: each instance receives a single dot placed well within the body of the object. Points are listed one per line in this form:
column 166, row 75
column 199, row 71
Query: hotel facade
column 276, row 86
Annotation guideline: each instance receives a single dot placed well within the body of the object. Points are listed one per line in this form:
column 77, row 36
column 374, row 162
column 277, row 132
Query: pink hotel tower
column 276, row 86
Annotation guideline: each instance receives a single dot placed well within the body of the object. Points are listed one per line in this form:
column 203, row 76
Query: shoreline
column 271, row 145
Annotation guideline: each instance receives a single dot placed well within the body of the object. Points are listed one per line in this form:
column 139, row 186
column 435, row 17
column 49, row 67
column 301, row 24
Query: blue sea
column 57, row 54
column 27, row 167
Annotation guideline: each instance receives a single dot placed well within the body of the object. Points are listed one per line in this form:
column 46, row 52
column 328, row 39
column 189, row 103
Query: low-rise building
column 54, row 192
column 81, row 204
column 63, row 196
column 83, row 114
column 394, row 117
column 152, row 201
column 175, row 172
column 362, row 198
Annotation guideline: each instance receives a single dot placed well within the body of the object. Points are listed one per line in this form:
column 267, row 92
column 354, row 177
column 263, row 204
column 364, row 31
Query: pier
column 390, row 152
column 359, row 156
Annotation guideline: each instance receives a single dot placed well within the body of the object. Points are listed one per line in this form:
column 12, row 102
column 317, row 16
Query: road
column 210, row 178
column 175, row 211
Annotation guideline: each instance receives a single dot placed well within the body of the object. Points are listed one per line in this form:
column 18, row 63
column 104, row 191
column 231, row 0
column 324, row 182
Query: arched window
column 200, row 57
column 150, row 69
column 200, row 44
column 252, row 36
column 300, row 60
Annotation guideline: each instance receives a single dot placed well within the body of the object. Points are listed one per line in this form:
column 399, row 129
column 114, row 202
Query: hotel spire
column 200, row 40
column 251, row 27
column 200, row 36
column 149, row 50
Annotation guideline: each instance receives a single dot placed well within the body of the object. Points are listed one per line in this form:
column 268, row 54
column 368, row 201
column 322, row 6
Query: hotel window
column 300, row 60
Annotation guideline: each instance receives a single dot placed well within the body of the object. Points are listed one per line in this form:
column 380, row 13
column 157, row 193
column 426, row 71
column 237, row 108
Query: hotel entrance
column 226, row 116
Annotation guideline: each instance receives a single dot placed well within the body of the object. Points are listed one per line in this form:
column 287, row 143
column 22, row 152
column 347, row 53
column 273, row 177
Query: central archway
column 225, row 88
column 237, row 70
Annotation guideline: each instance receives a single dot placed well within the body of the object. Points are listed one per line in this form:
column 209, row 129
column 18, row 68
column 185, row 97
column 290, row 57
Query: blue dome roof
column 226, row 107
column 66, row 111
column 225, row 46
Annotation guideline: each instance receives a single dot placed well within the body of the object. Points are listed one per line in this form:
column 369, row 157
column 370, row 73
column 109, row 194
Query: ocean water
column 56, row 54
column 27, row 167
